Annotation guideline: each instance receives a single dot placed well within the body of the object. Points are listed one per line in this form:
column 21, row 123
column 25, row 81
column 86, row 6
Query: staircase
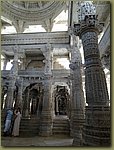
column 61, row 125
column 29, row 127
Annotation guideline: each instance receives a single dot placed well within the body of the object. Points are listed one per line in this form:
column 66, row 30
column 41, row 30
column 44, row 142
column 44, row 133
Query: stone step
column 61, row 126
column 29, row 126
column 61, row 132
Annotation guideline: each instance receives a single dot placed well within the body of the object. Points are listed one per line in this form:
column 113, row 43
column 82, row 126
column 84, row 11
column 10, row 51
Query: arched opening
column 61, row 100
column 33, row 100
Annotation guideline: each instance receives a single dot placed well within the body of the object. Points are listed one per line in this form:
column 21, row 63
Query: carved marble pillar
column 96, row 131
column 23, row 61
column 46, row 116
column 19, row 95
column 12, row 79
column 10, row 93
column 47, row 52
column 27, row 104
column 77, row 99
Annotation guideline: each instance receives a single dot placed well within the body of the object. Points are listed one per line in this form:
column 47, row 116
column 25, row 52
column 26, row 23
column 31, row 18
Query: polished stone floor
column 37, row 141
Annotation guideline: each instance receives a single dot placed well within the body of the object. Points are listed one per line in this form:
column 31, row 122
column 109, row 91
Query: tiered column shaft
column 96, row 130
column 19, row 95
column 46, row 116
column 77, row 100
column 10, row 93
column 12, row 80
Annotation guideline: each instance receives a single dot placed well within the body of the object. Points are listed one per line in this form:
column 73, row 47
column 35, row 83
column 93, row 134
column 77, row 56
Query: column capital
column 90, row 23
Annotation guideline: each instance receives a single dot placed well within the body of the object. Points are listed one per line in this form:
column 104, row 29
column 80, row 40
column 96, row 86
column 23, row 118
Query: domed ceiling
column 31, row 12
column 38, row 5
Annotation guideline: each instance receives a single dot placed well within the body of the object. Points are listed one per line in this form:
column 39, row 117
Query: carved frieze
column 37, row 38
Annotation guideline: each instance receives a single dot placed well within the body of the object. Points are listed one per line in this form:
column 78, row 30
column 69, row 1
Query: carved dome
column 38, row 5
column 30, row 11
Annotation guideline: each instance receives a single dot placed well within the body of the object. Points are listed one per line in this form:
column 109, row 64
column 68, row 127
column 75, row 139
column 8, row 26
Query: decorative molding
column 30, row 12
column 35, row 38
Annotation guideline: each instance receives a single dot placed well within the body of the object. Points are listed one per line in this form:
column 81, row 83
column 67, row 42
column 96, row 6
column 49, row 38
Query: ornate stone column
column 23, row 60
column 96, row 131
column 47, row 52
column 20, row 91
column 46, row 116
column 12, row 79
column 77, row 99
column 25, row 103
column 10, row 93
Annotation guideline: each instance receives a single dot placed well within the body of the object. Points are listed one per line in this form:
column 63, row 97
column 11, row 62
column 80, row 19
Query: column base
column 77, row 136
column 46, row 124
column 77, row 122
column 96, row 130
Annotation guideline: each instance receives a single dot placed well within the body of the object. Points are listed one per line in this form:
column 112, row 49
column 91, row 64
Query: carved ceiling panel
column 30, row 10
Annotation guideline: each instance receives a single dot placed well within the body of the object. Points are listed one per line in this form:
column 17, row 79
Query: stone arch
column 32, row 99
